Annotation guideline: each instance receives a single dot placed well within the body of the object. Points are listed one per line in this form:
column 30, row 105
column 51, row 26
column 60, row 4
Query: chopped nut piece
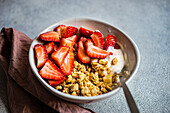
column 74, row 93
column 103, row 90
column 74, row 87
column 114, row 61
column 94, row 63
column 59, row 87
column 103, row 62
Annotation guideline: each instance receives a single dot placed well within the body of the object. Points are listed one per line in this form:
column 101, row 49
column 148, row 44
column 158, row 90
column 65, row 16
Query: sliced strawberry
column 68, row 43
column 67, row 66
column 51, row 71
column 55, row 47
column 72, row 38
column 98, row 39
column 95, row 52
column 110, row 41
column 50, row 36
column 60, row 29
column 49, row 47
column 69, row 31
column 85, row 32
column 41, row 55
column 60, row 54
column 81, row 51
column 56, row 82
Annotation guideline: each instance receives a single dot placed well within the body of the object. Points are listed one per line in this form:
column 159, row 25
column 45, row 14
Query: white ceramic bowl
column 129, row 47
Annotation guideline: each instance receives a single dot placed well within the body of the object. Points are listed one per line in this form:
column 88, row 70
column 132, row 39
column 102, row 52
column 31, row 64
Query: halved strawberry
column 85, row 32
column 81, row 51
column 60, row 29
column 69, row 31
column 41, row 55
column 110, row 41
column 60, row 54
column 98, row 39
column 94, row 51
column 50, row 36
column 55, row 47
column 68, row 43
column 56, row 82
column 51, row 71
column 72, row 38
column 67, row 66
column 49, row 47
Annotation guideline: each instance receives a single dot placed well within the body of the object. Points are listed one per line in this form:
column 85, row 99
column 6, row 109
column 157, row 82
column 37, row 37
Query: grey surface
column 147, row 22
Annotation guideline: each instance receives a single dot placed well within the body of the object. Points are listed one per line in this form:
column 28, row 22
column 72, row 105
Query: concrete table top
column 147, row 22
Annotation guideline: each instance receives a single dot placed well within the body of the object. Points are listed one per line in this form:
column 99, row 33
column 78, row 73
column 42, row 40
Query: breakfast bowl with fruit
column 80, row 60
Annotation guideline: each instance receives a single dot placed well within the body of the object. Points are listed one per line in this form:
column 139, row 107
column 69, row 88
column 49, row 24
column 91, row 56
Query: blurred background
column 147, row 22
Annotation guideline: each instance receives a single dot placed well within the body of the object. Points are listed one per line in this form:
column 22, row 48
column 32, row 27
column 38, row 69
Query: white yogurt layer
column 117, row 53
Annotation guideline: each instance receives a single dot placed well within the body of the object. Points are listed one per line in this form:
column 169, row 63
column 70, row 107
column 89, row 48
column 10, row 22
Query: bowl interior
column 128, row 45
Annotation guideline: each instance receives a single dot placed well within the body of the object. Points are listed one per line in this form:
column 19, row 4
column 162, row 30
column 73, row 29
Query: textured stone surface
column 147, row 22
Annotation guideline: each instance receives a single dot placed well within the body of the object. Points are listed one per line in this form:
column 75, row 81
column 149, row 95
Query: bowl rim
column 54, row 91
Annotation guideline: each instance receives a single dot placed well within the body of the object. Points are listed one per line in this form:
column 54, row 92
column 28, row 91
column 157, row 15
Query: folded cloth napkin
column 24, row 91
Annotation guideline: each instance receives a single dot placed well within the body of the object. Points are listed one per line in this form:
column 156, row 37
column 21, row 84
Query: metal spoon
column 129, row 98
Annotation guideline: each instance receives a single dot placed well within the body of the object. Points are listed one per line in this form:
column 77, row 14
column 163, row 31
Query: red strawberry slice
column 98, row 39
column 95, row 52
column 72, row 38
column 55, row 47
column 60, row 54
column 60, row 29
column 41, row 55
column 81, row 51
column 51, row 71
column 67, row 66
column 110, row 41
column 56, row 82
column 50, row 36
column 69, row 31
column 68, row 43
column 49, row 47
column 85, row 32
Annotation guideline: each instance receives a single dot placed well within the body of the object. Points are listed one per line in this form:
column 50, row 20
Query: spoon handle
column 129, row 98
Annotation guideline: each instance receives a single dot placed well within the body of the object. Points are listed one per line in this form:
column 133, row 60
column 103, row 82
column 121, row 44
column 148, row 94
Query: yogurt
column 117, row 53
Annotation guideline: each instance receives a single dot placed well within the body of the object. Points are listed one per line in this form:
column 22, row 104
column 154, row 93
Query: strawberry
column 67, row 66
column 98, row 39
column 60, row 54
column 81, row 51
column 85, row 32
column 110, row 41
column 51, row 71
column 50, row 36
column 56, row 82
column 68, row 43
column 49, row 47
column 72, row 38
column 60, row 29
column 55, row 47
column 41, row 55
column 69, row 31
column 95, row 52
